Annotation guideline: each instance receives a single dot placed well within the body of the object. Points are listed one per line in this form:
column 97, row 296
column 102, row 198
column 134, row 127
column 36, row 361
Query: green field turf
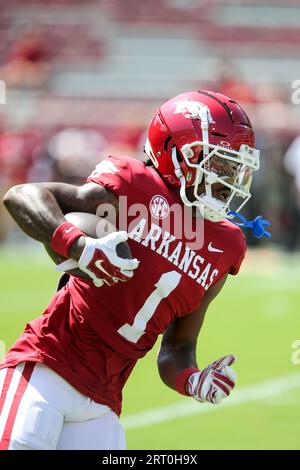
column 256, row 317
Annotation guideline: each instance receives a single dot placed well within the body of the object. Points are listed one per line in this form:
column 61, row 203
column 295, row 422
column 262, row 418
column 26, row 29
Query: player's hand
column 99, row 259
column 213, row 383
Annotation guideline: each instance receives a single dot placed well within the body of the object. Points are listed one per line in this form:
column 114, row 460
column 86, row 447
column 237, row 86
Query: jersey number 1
column 165, row 285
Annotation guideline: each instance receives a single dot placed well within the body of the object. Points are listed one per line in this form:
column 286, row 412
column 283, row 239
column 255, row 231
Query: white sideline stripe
column 256, row 392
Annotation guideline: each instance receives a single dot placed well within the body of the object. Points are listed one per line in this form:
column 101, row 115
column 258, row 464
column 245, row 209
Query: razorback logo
column 106, row 166
column 193, row 110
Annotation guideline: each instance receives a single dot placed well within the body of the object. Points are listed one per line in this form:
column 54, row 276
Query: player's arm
column 177, row 362
column 39, row 211
column 39, row 208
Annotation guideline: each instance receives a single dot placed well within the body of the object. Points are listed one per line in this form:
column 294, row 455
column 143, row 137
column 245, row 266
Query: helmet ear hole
column 167, row 142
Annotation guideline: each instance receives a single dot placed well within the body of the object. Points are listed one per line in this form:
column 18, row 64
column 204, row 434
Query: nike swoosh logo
column 68, row 230
column 98, row 265
column 213, row 249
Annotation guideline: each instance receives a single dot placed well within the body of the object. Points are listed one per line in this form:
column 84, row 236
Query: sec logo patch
column 159, row 207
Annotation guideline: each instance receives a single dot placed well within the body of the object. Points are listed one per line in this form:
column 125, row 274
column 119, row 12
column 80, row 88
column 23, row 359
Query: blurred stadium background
column 82, row 79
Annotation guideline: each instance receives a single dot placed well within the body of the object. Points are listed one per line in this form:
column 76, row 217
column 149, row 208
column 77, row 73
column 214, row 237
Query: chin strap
column 257, row 225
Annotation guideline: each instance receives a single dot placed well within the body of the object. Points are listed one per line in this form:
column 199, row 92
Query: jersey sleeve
column 241, row 248
column 113, row 173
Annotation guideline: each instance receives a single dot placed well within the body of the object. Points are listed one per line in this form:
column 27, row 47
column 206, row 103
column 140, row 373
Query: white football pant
column 40, row 410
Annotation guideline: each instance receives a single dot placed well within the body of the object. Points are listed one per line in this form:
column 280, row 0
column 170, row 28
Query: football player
column 61, row 382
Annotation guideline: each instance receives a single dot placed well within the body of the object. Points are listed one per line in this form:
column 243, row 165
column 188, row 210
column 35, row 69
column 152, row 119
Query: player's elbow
column 165, row 361
column 172, row 359
column 161, row 357
column 170, row 355
column 12, row 196
column 167, row 356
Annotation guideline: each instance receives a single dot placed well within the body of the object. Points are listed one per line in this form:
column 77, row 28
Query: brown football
column 95, row 227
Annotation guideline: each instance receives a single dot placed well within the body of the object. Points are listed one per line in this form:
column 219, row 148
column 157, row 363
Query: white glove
column 213, row 383
column 101, row 262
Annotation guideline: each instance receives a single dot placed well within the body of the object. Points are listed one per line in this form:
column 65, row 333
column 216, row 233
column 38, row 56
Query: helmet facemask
column 233, row 169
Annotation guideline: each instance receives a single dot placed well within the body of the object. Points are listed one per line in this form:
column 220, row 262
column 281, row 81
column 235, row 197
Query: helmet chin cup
column 212, row 209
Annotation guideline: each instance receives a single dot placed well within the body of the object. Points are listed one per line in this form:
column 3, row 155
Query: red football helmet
column 201, row 134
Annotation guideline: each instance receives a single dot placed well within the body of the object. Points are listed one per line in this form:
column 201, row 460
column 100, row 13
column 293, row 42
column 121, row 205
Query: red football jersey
column 93, row 336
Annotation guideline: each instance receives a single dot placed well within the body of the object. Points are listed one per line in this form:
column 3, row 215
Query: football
column 95, row 227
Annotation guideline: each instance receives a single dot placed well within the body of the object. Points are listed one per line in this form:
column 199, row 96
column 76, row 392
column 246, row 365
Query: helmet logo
column 194, row 110
column 224, row 143
column 159, row 207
